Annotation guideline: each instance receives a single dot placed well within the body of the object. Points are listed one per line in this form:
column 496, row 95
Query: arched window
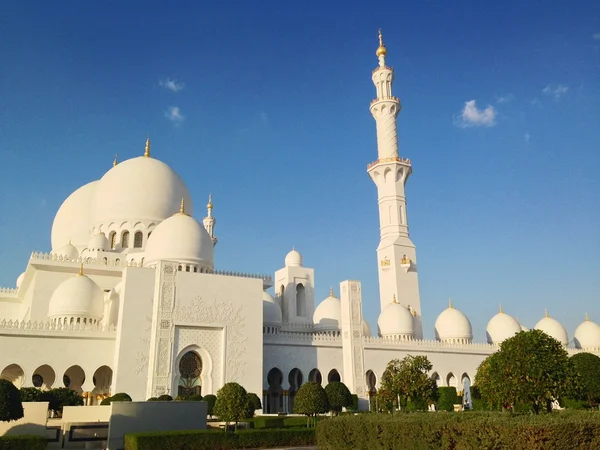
column 138, row 238
column 125, row 239
column 300, row 300
column 334, row 375
column 113, row 239
column 190, row 368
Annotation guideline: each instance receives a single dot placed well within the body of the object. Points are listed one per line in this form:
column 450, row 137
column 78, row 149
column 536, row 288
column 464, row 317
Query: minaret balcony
column 392, row 98
column 403, row 161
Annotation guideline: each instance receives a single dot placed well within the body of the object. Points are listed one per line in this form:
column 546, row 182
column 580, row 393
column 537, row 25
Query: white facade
column 128, row 299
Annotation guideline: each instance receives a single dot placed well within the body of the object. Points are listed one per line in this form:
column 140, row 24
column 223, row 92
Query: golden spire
column 209, row 205
column 115, row 162
column 501, row 310
column 331, row 291
column 394, row 300
column 80, row 270
column 450, row 304
column 147, row 150
column 182, row 207
column 587, row 319
column 546, row 312
column 381, row 51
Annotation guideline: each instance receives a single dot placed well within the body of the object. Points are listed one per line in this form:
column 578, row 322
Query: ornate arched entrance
column 190, row 369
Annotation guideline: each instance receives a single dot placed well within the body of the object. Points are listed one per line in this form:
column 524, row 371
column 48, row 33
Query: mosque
column 129, row 300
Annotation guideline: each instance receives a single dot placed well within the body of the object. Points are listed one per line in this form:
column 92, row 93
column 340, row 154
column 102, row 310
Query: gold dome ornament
column 115, row 161
column 381, row 51
column 182, row 207
column 147, row 149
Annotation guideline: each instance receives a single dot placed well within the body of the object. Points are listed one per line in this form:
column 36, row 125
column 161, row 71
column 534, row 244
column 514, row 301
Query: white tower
column 210, row 222
column 295, row 291
column 396, row 253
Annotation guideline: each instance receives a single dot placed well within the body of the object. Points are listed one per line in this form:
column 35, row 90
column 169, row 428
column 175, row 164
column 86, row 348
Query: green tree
column 409, row 380
column 232, row 404
column 61, row 397
column 210, row 400
column 311, row 400
column 587, row 366
column 530, row 367
column 386, row 400
column 338, row 396
column 11, row 407
column 32, row 394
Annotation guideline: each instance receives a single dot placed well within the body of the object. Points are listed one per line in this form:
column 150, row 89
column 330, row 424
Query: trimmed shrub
column 271, row 422
column 463, row 431
column 194, row 398
column 23, row 442
column 152, row 399
column 354, row 405
column 447, row 399
column 11, row 407
column 60, row 397
column 232, row 403
column 120, row 397
column 338, row 396
column 210, row 399
column 165, row 398
column 216, row 439
column 32, row 394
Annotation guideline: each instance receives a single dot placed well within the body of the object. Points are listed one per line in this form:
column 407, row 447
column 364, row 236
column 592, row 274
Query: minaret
column 210, row 222
column 396, row 253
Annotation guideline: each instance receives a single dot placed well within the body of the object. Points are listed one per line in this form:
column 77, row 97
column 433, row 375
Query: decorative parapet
column 37, row 257
column 8, row 292
column 574, row 351
column 404, row 161
column 378, row 68
column 421, row 343
column 22, row 325
column 265, row 278
column 303, row 338
column 392, row 98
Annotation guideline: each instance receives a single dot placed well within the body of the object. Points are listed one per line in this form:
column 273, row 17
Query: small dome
column 453, row 326
column 20, row 280
column 271, row 310
column 141, row 189
column 78, row 297
column 72, row 220
column 501, row 327
column 293, row 258
column 366, row 329
column 68, row 251
column 396, row 321
column 180, row 238
column 328, row 315
column 554, row 328
column 587, row 335
column 98, row 242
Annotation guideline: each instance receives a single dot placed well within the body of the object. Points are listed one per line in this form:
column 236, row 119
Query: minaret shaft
column 396, row 253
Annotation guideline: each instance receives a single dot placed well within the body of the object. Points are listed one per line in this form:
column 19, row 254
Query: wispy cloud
column 505, row 98
column 473, row 117
column 174, row 115
column 172, row 85
column 596, row 36
column 557, row 91
column 527, row 137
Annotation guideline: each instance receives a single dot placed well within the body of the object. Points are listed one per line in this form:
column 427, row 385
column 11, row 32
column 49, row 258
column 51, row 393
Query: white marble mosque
column 129, row 300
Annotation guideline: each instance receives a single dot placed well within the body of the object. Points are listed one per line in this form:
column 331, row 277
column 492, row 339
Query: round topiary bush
column 232, row 403
column 194, row 398
column 11, row 407
column 338, row 396
column 210, row 399
column 120, row 397
column 165, row 398
column 311, row 400
column 152, row 399
column 31, row 394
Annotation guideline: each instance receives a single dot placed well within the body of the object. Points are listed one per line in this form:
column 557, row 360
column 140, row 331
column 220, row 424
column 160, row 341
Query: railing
column 23, row 325
column 302, row 337
column 390, row 97
column 404, row 161
column 8, row 291
column 227, row 273
column 427, row 343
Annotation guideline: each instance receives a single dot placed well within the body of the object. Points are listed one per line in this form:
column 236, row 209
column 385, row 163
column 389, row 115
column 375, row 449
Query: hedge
column 462, row 431
column 23, row 443
column 219, row 440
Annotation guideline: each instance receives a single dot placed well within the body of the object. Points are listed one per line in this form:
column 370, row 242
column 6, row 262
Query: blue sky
column 500, row 119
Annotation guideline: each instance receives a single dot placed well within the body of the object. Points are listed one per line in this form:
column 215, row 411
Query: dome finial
column 587, row 318
column 80, row 270
column 394, row 299
column 182, row 206
column 450, row 304
column 331, row 291
column 501, row 310
column 115, row 162
column 546, row 312
column 147, row 150
column 381, row 51
column 209, row 206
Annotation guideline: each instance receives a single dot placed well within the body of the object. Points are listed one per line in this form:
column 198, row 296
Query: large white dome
column 328, row 315
column 141, row 189
column 453, row 326
column 271, row 310
column 587, row 335
column 183, row 239
column 501, row 327
column 396, row 321
column 77, row 297
column 72, row 220
column 554, row 328
column 293, row 258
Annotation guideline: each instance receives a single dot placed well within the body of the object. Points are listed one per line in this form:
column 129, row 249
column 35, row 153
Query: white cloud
column 557, row 91
column 174, row 115
column 527, row 137
column 505, row 98
column 172, row 85
column 596, row 36
column 473, row 117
